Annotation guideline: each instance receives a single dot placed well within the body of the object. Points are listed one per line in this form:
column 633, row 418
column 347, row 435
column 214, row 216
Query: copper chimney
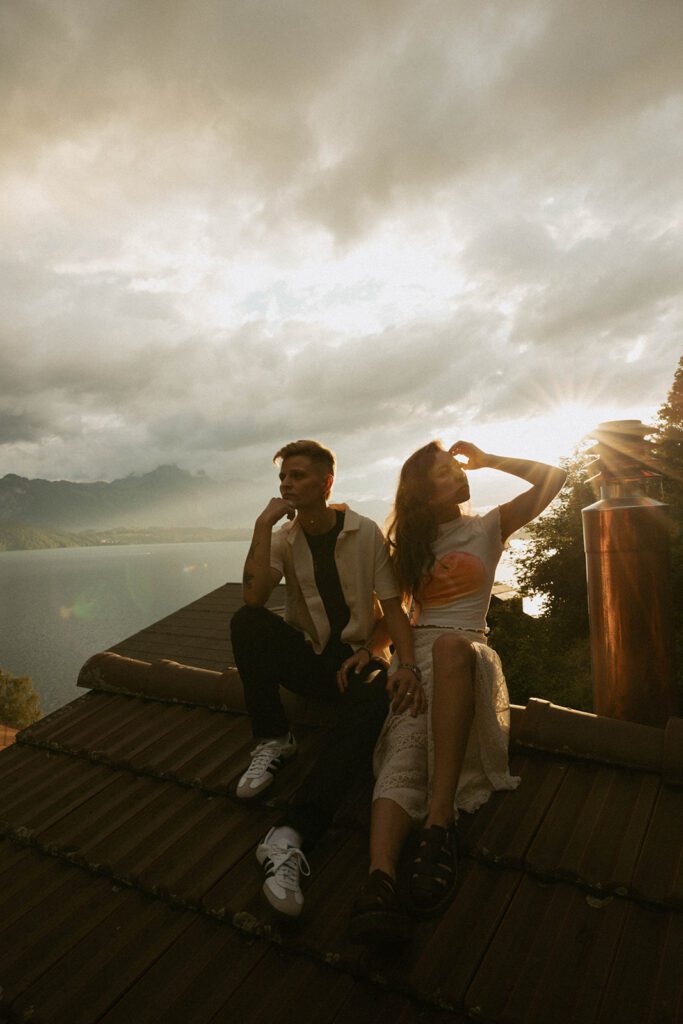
column 626, row 539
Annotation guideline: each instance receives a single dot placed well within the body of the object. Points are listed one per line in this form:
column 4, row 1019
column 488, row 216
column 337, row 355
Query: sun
column 556, row 433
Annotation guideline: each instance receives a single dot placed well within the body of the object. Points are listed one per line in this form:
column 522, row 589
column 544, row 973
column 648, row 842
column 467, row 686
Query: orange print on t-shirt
column 455, row 575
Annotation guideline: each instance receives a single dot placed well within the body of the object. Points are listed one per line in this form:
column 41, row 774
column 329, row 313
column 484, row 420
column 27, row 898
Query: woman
column 444, row 744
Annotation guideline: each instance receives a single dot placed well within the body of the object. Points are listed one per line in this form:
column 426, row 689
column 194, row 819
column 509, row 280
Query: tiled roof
column 197, row 634
column 129, row 890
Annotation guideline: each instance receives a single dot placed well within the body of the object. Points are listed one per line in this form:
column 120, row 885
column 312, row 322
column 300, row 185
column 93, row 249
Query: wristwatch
column 412, row 668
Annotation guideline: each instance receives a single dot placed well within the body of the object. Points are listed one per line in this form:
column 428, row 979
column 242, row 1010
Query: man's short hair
column 313, row 450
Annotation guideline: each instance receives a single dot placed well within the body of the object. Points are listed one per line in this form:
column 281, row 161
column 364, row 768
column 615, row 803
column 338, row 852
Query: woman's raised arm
column 546, row 482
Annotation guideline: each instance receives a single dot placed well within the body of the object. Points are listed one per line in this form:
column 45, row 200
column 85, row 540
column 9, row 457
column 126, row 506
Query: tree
column 538, row 663
column 19, row 703
column 549, row 656
column 668, row 450
column 668, row 442
column 554, row 563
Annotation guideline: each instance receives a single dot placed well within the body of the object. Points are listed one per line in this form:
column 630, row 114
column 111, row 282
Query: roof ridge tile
column 550, row 727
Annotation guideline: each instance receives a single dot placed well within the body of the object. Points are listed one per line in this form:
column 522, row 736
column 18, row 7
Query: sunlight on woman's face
column 449, row 483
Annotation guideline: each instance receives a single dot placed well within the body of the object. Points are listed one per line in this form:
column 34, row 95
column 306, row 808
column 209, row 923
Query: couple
column 437, row 723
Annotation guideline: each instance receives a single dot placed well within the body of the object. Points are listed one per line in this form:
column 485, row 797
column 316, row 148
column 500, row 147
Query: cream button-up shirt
column 365, row 574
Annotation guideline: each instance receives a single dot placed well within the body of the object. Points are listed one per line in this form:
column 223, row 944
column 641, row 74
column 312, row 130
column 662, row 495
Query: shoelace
column 287, row 863
column 262, row 756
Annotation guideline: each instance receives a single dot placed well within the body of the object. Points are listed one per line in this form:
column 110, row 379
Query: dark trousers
column 270, row 653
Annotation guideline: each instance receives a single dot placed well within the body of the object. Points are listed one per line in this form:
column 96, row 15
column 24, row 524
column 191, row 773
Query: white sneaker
column 282, row 863
column 267, row 758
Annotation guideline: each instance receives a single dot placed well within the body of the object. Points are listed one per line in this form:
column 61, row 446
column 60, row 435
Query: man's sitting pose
column 337, row 572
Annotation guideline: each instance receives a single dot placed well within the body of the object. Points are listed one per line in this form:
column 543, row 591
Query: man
column 339, row 581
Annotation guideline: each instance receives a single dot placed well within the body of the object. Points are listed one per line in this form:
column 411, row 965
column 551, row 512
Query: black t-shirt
column 322, row 547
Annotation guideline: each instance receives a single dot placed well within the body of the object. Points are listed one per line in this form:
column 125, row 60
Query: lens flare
column 85, row 608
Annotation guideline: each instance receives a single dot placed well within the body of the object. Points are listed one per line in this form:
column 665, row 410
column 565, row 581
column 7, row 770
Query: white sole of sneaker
column 281, row 908
column 251, row 794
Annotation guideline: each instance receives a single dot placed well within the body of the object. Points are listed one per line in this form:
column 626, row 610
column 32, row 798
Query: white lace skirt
column 404, row 754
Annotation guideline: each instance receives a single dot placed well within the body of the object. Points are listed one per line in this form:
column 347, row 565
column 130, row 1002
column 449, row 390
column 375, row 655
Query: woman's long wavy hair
column 412, row 525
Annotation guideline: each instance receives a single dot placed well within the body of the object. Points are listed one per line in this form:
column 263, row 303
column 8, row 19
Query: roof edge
column 546, row 726
column 173, row 682
column 541, row 725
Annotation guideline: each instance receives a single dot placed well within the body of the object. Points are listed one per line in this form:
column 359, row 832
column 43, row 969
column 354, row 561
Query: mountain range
column 166, row 497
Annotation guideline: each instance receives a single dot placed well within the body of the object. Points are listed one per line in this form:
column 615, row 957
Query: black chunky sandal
column 434, row 870
column 377, row 915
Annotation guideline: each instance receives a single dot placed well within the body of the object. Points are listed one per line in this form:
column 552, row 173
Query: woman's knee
column 453, row 651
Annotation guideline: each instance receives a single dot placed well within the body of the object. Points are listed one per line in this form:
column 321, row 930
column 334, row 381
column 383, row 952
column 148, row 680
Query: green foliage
column 536, row 661
column 554, row 563
column 668, row 441
column 21, row 537
column 549, row 656
column 19, row 703
column 520, row 643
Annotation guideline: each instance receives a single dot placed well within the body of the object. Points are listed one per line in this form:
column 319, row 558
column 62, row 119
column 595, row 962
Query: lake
column 59, row 607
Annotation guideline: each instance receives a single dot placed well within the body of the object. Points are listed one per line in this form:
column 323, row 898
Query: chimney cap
column 623, row 453
column 612, row 430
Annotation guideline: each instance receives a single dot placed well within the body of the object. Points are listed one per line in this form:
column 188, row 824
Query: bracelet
column 414, row 669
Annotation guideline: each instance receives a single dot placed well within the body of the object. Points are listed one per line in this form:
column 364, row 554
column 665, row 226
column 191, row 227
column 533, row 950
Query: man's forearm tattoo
column 247, row 576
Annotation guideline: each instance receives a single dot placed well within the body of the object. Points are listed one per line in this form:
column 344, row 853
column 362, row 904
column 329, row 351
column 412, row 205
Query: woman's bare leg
column 388, row 832
column 453, row 659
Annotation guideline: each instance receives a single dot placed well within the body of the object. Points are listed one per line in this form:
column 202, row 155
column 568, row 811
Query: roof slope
column 197, row 634
column 129, row 888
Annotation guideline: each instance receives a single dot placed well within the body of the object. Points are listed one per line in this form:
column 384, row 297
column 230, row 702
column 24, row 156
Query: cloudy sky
column 230, row 223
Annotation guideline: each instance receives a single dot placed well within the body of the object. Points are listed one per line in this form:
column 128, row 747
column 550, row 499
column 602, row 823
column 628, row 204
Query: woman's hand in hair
column 476, row 458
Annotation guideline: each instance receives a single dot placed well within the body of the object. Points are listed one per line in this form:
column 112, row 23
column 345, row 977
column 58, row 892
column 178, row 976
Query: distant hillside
column 166, row 496
column 20, row 537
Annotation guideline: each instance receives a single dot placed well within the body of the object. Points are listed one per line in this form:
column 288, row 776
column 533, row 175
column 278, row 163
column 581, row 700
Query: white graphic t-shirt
column 457, row 591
